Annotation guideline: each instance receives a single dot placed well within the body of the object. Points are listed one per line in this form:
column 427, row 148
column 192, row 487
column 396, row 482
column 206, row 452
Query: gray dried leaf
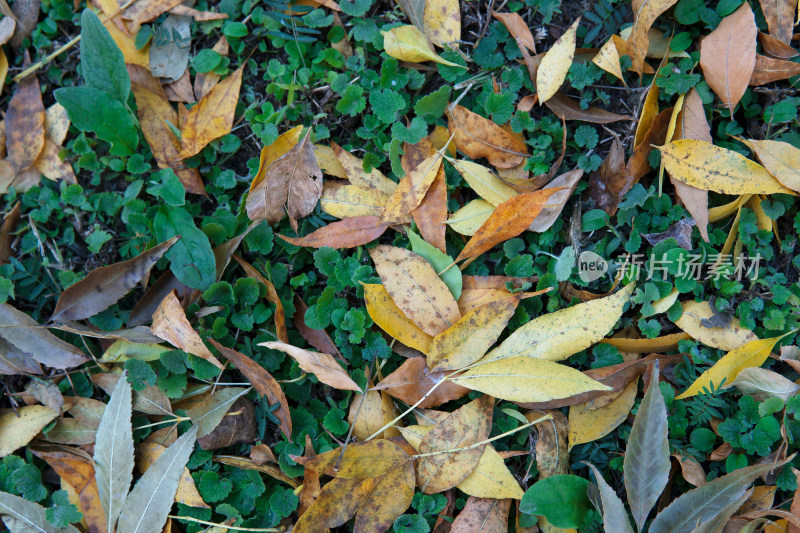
column 681, row 231
column 47, row 393
column 208, row 414
column 14, row 361
column 761, row 384
column 29, row 337
column 615, row 518
column 169, row 52
column 23, row 516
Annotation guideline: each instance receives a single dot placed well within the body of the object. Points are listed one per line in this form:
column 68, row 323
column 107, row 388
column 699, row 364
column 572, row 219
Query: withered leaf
column 272, row 296
column 315, row 337
column 347, row 233
column 768, row 69
column 413, row 380
column 482, row 514
column 29, row 337
column 322, row 365
column 607, row 182
column 25, row 125
column 170, row 323
column 238, row 425
column 568, row 109
column 479, row 137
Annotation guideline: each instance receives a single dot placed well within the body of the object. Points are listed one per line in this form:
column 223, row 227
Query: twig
column 235, row 528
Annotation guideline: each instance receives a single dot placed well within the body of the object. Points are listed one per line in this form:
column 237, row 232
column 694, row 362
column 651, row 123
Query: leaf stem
column 235, row 528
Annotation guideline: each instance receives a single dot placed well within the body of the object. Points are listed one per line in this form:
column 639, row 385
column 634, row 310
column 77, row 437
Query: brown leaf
column 518, row 29
column 104, row 286
column 482, row 514
column 150, row 400
column 608, row 181
column 52, row 166
column 166, row 283
column 645, row 14
column 238, row 425
column 413, row 380
column 311, row 487
column 681, row 231
column 199, row 16
column 27, row 14
column 480, row 290
column 293, row 183
column 479, row 137
column 25, row 125
column 262, row 381
column 568, row 109
column 205, row 81
column 315, row 337
column 261, row 453
column 6, row 232
column 47, row 393
column 322, row 365
column 768, row 69
column 211, row 117
column 411, row 190
column 691, row 470
column 555, row 204
column 780, row 18
column 354, row 171
column 728, row 55
column 552, row 451
column 431, row 214
column 27, row 336
column 347, row 233
column 247, row 464
column 272, row 296
column 776, row 48
column 508, row 220
column 416, row 288
column 170, row 323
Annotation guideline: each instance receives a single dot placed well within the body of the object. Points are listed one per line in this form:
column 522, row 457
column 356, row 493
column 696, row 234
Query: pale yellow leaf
column 725, row 338
column 608, row 59
column 346, row 201
column 555, row 64
column 587, row 424
column 469, row 218
column 19, row 428
column 354, row 171
column 441, row 22
column 326, row 159
column 411, row 190
column 781, row 159
column 408, row 43
column 484, row 182
column 322, row 365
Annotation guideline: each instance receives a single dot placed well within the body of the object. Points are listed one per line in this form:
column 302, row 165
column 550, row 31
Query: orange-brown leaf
column 769, row 69
column 645, row 13
column 170, row 324
column 25, row 125
column 479, row 137
column 780, row 18
column 568, row 109
column 413, row 380
column 431, row 214
column 347, row 233
column 412, row 189
column 322, row 365
column 272, row 296
column 486, row 515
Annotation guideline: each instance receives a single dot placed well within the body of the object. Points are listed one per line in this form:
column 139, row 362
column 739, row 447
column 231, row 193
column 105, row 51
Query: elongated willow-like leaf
column 113, row 451
column 22, row 516
column 208, row 414
column 646, row 465
column 147, row 506
column 614, row 516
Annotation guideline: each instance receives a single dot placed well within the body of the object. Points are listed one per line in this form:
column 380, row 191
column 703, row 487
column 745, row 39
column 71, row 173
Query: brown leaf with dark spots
column 413, row 380
column 347, row 233
column 780, row 18
column 479, row 137
column 25, row 125
column 482, row 514
column 292, row 183
column 104, row 286
column 262, row 381
column 568, row 109
column 238, row 425
column 315, row 337
column 607, row 182
column 769, row 69
column 272, row 296
column 728, row 55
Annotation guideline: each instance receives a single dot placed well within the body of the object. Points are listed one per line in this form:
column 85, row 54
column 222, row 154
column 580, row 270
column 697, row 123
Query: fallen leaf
column 150, row 400
column 293, row 184
column 18, row 429
column 46, row 393
column 776, row 48
column 211, row 117
column 482, row 514
column 478, row 137
column 552, row 455
column 199, row 16
column 615, row 517
column 71, row 431
column 387, row 316
column 639, row 163
column 315, row 337
column 469, row 338
column 104, row 286
column 441, row 22
column 555, row 64
column 608, row 60
column 271, row 153
column 146, row 455
column 518, row 29
column 780, row 18
column 411, row 190
column 430, row 215
column 588, row 423
column 272, row 296
column 680, row 232
column 440, row 262
column 607, row 183
column 208, row 411
column 645, row 14
column 52, row 166
column 566, row 108
column 370, row 413
column 346, row 201
column 238, row 425
column 416, row 289
column 170, row 323
column 412, row 380
column 725, row 371
column 322, row 365
column 712, row 168
column 170, row 57
column 87, row 410
column 347, row 233
column 205, row 81
column 728, row 337
column 564, row 184
column 408, row 43
column 728, row 55
column 779, row 158
column 24, row 122
column 480, row 290
column 768, row 70
column 247, row 464
column 355, row 174
column 761, row 384
column 262, row 381
column 26, row 335
column 472, row 216
column 484, row 182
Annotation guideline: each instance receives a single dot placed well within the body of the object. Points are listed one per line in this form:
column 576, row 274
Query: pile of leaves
column 422, row 266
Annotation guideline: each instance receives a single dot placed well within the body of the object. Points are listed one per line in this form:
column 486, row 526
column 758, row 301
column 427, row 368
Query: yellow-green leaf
column 484, row 182
column 472, row 216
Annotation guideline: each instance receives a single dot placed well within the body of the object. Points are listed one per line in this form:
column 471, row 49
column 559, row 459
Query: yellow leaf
column 781, row 159
column 662, row 305
column 412, row 188
column 490, row 479
column 658, row 45
column 711, row 168
column 326, row 159
column 763, row 222
column 648, row 114
column 441, row 21
column 416, row 288
column 726, row 338
column 752, row 354
column 127, row 46
column 212, row 116
column 371, row 414
column 484, row 182
column 645, row 12
column 385, row 313
column 322, row 365
column 470, row 337
column 408, row 43
column 524, row 379
column 276, row 150
column 187, row 491
column 555, row 64
column 17, row 431
column 354, row 172
column 345, row 201
column 608, row 59
column 472, row 216
column 715, row 214
column 587, row 424
column 659, row 344
column 556, row 336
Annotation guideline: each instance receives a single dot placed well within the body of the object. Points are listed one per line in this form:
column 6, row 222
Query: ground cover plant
column 414, row 266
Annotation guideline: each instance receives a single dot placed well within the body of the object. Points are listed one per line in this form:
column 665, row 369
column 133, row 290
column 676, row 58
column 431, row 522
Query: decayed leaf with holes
column 441, row 21
column 728, row 55
column 293, row 184
column 478, row 137
column 725, row 371
column 768, row 70
column 780, row 15
column 322, row 365
column 490, row 479
column 556, row 336
column 148, row 452
column 413, row 380
column 355, row 174
column 781, row 159
column 212, row 116
column 416, row 289
column 555, row 64
column 472, row 216
column 727, row 336
column 262, row 381
column 466, row 426
column 469, row 338
column 508, row 220
column 412, row 189
column 17, row 431
column 607, row 58
column 347, row 233
column 408, row 43
column 385, row 313
column 345, row 201
column 645, row 13
column 104, row 286
column 524, row 379
column 484, row 182
column 712, row 168
column 170, row 323
column 370, row 414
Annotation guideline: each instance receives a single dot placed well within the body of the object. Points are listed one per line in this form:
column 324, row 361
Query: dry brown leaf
column 607, row 182
column 780, row 18
column 322, row 365
column 430, row 215
column 776, row 48
column 728, row 55
column 552, row 453
column 238, row 425
column 25, row 125
column 638, row 165
column 482, row 514
column 170, row 324
column 479, row 137
column 413, row 380
column 568, row 109
column 645, row 14
column 272, row 296
column 347, row 233
column 205, row 81
column 52, row 166
column 769, row 69
column 317, row 338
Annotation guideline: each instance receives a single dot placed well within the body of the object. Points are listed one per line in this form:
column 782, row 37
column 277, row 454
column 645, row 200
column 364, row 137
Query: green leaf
column 433, row 104
column 170, row 189
column 91, row 109
column 22, row 516
column 191, row 258
column 62, row 513
column 562, row 499
column 212, row 488
column 439, row 261
column 102, row 62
